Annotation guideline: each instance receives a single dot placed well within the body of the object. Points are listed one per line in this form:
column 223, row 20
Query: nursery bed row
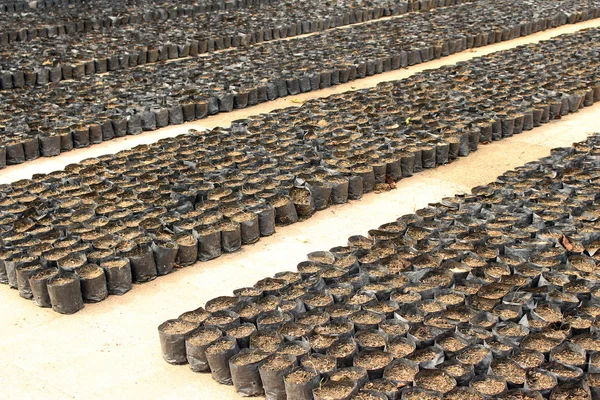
column 119, row 48
column 19, row 6
column 138, row 214
column 48, row 120
column 493, row 294
column 89, row 16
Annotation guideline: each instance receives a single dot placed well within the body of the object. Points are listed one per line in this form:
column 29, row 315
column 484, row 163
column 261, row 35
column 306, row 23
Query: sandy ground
column 110, row 350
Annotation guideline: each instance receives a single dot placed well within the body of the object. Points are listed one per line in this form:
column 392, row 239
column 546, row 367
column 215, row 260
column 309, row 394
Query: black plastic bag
column 141, row 260
column 195, row 347
column 118, row 275
column 188, row 249
column 299, row 384
column 218, row 355
column 231, row 236
column 93, row 283
column 244, row 368
column 172, row 334
column 209, row 243
column 165, row 254
column 272, row 373
column 24, row 272
column 65, row 293
column 39, row 286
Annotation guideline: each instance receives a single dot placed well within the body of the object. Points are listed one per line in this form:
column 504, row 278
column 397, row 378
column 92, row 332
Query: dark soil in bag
column 39, row 286
column 188, row 249
column 244, row 368
column 165, row 255
column 172, row 334
column 285, row 212
column 249, row 227
column 218, row 355
column 118, row 275
column 209, row 243
column 93, row 283
column 24, row 273
column 330, row 390
column 196, row 343
column 272, row 373
column 65, row 293
column 299, row 384
column 231, row 236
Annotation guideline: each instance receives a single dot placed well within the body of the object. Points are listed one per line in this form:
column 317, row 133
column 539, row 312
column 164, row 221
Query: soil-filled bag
column 407, row 164
column 344, row 350
column 172, row 334
column 93, row 283
column 464, row 392
column 188, row 248
column 266, row 219
column 593, row 381
column 165, row 255
column 49, row 144
column 417, row 393
column 296, row 348
column 428, row 156
column 242, row 333
column 15, row 154
column 285, row 211
column 320, row 364
column 118, row 275
column 321, row 194
column 231, row 236
column 24, row 272
column 223, row 319
column 367, row 174
column 245, row 374
column 401, row 372
column 299, row 384
column 578, row 390
column 569, row 353
column 540, row 380
column 249, row 226
column 303, row 201
column 355, row 187
column 14, row 262
column 489, row 385
column 39, row 286
column 141, row 260
column 339, row 189
column 373, row 361
column 273, row 319
column 382, row 387
column 81, row 136
column 195, row 347
column 462, row 373
column 478, row 356
column 357, row 375
column 335, row 390
column 209, row 243
column 218, row 355
column 65, row 293
column 434, row 379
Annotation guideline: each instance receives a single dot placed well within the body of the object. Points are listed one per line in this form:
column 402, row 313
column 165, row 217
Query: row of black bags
column 493, row 294
column 218, row 190
column 89, row 17
column 97, row 108
column 112, row 49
